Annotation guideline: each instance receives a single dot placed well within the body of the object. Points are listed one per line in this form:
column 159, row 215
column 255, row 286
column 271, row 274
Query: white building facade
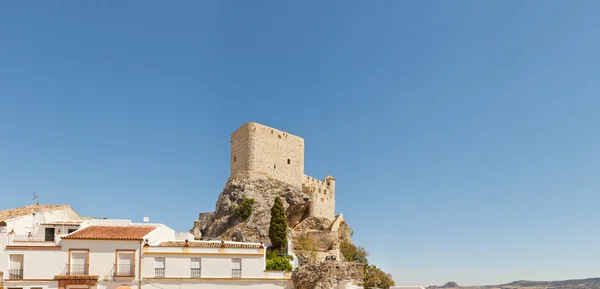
column 106, row 254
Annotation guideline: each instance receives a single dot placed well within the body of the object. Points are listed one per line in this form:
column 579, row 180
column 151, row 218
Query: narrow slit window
column 289, row 161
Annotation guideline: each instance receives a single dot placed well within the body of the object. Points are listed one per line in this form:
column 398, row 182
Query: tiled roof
column 111, row 233
column 28, row 210
column 63, row 223
column 208, row 244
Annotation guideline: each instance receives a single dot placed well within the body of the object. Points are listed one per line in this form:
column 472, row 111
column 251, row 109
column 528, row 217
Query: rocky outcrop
column 223, row 224
column 326, row 275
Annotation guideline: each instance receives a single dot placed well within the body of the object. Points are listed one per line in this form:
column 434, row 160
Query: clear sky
column 464, row 135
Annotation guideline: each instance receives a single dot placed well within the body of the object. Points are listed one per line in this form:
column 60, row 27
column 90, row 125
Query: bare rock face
column 327, row 274
column 223, row 224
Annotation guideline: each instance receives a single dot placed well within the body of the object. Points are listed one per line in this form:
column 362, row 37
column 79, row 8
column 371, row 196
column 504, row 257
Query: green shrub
column 278, row 225
column 375, row 277
column 279, row 263
column 353, row 253
column 244, row 210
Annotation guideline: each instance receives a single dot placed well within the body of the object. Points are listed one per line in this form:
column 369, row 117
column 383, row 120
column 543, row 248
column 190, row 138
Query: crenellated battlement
column 259, row 151
column 322, row 195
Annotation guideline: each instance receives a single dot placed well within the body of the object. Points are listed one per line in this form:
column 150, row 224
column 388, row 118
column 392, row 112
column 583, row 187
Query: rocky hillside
column 223, row 224
column 313, row 239
column 307, row 233
column 325, row 275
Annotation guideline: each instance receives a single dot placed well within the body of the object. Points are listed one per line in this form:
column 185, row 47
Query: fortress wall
column 259, row 151
column 322, row 195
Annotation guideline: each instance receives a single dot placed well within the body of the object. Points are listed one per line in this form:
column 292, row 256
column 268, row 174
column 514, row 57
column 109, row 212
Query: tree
column 278, row 225
column 244, row 210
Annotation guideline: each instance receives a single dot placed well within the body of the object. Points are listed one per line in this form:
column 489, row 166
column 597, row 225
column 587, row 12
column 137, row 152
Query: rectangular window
column 15, row 270
column 49, row 236
column 159, row 267
column 236, row 268
column 195, row 267
column 79, row 263
column 125, row 263
column 71, row 231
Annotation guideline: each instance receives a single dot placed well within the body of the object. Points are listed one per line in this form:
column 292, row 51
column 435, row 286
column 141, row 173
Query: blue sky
column 463, row 134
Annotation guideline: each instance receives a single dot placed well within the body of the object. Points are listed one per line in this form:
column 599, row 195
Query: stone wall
column 259, row 151
column 322, row 194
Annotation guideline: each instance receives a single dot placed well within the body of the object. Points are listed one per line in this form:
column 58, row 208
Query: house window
column 79, row 263
column 15, row 270
column 195, row 268
column 159, row 267
column 125, row 263
column 49, row 234
column 236, row 268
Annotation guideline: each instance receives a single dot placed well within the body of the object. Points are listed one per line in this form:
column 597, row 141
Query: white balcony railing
column 33, row 240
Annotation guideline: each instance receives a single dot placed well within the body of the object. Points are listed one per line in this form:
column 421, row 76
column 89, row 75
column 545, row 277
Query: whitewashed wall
column 212, row 266
column 32, row 284
column 40, row 264
column 30, row 223
column 44, row 264
column 103, row 253
column 229, row 284
column 165, row 233
column 3, row 242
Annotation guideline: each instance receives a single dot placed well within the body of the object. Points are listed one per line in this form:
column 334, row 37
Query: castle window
column 274, row 166
column 271, row 131
column 289, row 161
column 234, row 159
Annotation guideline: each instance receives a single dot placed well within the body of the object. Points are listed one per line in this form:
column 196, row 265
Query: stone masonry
column 259, row 151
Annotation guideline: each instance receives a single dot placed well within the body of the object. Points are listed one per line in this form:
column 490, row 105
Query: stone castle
column 259, row 151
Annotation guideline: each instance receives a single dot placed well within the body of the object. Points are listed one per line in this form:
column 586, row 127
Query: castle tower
column 259, row 151
column 322, row 196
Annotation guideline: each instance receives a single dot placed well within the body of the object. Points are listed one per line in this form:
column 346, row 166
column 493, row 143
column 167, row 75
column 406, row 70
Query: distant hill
column 591, row 283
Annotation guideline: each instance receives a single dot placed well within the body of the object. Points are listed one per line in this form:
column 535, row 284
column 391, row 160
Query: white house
column 106, row 254
column 34, row 225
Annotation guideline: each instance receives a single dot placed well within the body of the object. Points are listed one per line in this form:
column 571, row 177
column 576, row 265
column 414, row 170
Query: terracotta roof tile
column 111, row 233
column 209, row 244
column 28, row 210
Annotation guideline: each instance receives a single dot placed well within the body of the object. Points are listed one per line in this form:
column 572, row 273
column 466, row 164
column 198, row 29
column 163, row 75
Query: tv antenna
column 36, row 199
